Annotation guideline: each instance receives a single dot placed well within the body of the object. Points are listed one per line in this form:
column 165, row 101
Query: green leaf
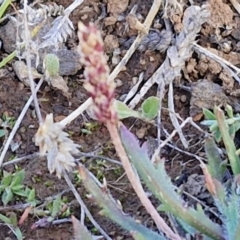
column 228, row 141
column 2, row 132
column 56, row 206
column 17, row 188
column 214, row 160
column 208, row 114
column 7, row 178
column 124, row 111
column 21, row 193
column 18, row 233
column 31, row 195
column 7, row 196
column 5, row 219
column 18, row 178
column 229, row 110
column 217, row 136
column 4, row 6
column 150, row 107
column 13, row 218
column 51, row 65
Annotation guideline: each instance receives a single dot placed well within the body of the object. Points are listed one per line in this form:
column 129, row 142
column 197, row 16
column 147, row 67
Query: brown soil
column 13, row 96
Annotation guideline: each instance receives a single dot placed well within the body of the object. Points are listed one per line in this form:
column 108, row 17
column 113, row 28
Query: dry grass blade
column 80, row 231
column 236, row 5
column 173, row 116
column 84, row 207
column 62, row 27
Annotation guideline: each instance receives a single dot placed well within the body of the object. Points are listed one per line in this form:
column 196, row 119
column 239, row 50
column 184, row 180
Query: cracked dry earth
column 206, row 79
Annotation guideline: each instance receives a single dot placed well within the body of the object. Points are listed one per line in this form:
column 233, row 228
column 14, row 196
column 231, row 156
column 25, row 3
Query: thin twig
column 147, row 23
column 236, row 5
column 76, row 112
column 173, row 116
column 17, row 124
column 136, row 184
column 29, row 67
column 17, row 160
column 84, row 207
column 189, row 119
column 224, row 63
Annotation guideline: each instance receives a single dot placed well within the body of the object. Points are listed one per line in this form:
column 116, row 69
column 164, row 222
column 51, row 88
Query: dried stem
column 28, row 60
column 161, row 224
column 17, row 124
column 84, row 207
column 236, row 5
column 76, row 112
column 17, row 160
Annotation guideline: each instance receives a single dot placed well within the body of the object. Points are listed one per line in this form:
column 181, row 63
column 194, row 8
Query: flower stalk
column 101, row 89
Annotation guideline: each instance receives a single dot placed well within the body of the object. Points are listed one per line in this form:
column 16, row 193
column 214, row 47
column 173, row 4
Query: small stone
column 118, row 82
column 141, row 133
column 22, row 129
column 183, row 98
column 134, row 80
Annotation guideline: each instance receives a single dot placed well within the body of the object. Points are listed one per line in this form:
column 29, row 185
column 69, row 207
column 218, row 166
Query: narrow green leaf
column 124, row 111
column 21, row 193
column 214, row 160
column 2, row 132
column 208, row 114
column 229, row 110
column 217, row 136
column 18, row 233
column 13, row 218
column 4, row 6
column 5, row 219
column 56, row 206
column 228, row 141
column 7, row 178
column 18, row 178
column 17, row 188
column 31, row 195
column 7, row 196
column 150, row 107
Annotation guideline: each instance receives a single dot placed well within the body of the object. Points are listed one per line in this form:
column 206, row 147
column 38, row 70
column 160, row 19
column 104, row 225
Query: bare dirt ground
column 92, row 136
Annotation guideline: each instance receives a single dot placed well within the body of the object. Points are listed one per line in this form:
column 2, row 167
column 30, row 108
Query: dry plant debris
column 54, row 142
column 221, row 13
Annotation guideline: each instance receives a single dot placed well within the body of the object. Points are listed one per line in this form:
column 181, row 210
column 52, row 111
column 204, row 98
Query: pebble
column 22, row 129
column 183, row 98
column 118, row 82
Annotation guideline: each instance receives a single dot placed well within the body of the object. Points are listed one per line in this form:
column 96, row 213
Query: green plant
column 224, row 128
column 12, row 185
column 3, row 7
column 147, row 111
column 11, row 222
column 5, row 123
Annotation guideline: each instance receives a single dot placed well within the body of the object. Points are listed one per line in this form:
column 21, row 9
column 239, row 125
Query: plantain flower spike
column 54, row 142
column 98, row 84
